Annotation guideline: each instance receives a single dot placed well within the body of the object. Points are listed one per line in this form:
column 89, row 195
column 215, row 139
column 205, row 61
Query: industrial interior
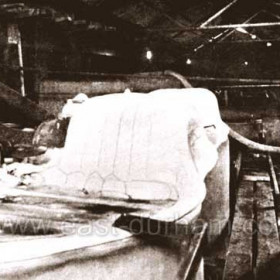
column 139, row 139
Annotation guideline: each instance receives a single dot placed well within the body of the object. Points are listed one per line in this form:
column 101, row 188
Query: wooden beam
column 14, row 37
column 33, row 114
column 152, row 75
column 220, row 12
column 273, row 176
column 20, row 60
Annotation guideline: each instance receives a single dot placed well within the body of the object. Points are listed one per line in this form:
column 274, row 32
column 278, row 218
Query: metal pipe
column 253, row 145
column 247, row 86
column 178, row 76
column 234, row 80
column 249, row 41
column 146, row 75
column 241, row 25
column 217, row 27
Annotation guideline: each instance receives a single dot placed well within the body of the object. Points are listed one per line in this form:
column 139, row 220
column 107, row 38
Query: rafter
column 242, row 25
column 246, row 21
column 276, row 3
column 223, row 35
column 219, row 27
column 272, row 14
column 249, row 41
column 220, row 12
column 166, row 15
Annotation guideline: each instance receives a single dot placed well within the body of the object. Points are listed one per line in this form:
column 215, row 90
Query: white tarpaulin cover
column 156, row 146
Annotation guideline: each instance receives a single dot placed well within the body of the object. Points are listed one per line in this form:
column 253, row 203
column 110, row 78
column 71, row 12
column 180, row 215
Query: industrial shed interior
column 139, row 139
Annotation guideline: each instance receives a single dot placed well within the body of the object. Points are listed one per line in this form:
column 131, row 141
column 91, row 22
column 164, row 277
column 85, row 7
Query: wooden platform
column 254, row 248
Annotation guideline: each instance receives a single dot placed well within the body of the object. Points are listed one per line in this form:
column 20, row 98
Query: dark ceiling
column 216, row 38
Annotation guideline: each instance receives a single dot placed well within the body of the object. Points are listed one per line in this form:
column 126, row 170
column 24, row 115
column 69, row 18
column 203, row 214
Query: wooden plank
column 253, row 161
column 242, row 208
column 239, row 260
column 246, row 189
column 256, row 176
column 273, row 175
column 188, row 263
column 239, row 267
column 268, row 236
column 264, row 196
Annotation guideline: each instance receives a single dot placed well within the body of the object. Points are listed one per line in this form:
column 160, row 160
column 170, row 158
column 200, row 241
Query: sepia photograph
column 139, row 139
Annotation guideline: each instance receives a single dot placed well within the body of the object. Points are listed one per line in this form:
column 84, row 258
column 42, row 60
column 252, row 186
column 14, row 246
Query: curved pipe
column 233, row 134
column 252, row 144
column 178, row 76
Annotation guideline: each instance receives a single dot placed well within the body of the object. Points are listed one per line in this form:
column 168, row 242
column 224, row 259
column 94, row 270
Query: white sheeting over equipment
column 156, row 146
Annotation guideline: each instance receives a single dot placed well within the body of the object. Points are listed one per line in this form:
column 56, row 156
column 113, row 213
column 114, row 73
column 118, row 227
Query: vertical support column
column 20, row 59
column 5, row 57
column 36, row 65
column 14, row 37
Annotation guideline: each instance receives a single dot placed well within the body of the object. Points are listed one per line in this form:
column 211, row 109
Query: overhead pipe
column 252, row 144
column 217, row 27
column 180, row 77
column 242, row 25
column 144, row 74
